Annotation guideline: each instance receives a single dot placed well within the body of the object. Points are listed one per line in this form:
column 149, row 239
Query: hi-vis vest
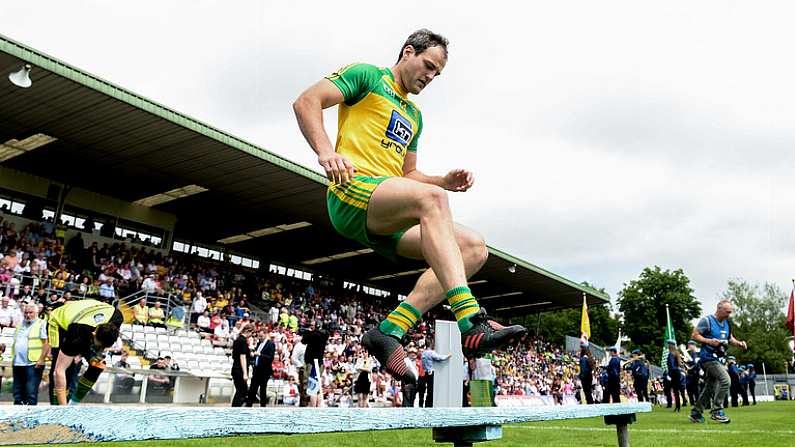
column 34, row 342
column 140, row 313
column 156, row 315
column 89, row 312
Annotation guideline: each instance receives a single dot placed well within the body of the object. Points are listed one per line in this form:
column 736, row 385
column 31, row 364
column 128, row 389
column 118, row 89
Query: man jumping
column 377, row 196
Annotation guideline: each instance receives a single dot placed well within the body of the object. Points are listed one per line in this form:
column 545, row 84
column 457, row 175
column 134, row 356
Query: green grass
column 767, row 424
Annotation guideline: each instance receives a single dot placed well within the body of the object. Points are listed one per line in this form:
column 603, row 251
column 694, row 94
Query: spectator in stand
column 149, row 285
column 203, row 322
column 293, row 323
column 157, row 381
column 197, row 308
column 25, row 295
column 221, row 334
column 141, row 312
column 290, row 394
column 9, row 313
column 240, row 356
column 274, row 315
column 29, row 352
column 106, row 291
column 157, row 316
column 123, row 383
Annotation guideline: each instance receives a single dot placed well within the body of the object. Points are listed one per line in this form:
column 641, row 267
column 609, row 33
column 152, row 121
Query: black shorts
column 362, row 385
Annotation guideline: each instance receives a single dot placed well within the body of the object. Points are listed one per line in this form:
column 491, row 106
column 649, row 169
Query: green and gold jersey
column 377, row 123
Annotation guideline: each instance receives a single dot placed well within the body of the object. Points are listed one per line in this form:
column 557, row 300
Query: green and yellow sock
column 463, row 305
column 400, row 320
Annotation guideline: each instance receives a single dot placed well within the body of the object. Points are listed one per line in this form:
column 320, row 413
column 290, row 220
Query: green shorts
column 347, row 208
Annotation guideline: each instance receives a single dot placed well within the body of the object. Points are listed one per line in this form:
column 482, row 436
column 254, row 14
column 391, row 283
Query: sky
column 605, row 137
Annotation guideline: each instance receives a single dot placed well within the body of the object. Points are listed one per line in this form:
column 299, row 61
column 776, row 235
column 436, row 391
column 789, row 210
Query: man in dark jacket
column 240, row 358
column 613, row 391
column 263, row 368
column 640, row 375
column 315, row 340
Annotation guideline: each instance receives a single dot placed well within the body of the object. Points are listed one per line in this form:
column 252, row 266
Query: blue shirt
column 428, row 357
column 709, row 327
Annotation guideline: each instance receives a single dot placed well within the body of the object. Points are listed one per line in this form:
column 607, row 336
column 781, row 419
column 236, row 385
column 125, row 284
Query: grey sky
column 605, row 137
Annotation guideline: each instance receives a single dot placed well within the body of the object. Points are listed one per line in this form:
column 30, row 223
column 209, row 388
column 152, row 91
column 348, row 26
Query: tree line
column 758, row 318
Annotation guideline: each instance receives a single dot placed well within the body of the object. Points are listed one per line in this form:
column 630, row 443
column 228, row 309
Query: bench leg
column 623, row 435
column 621, row 421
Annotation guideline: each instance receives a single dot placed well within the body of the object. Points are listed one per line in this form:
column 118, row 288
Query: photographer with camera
column 714, row 333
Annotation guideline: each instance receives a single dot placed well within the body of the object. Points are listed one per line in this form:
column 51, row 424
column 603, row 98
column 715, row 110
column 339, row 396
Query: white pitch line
column 653, row 430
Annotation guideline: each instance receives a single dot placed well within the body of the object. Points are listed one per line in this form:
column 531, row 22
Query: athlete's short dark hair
column 423, row 39
column 107, row 334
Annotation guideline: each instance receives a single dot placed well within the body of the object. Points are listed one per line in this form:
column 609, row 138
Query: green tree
column 555, row 325
column 758, row 319
column 643, row 304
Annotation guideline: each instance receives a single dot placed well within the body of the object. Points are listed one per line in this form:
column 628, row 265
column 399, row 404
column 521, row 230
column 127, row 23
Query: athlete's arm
column 308, row 110
column 696, row 335
column 457, row 180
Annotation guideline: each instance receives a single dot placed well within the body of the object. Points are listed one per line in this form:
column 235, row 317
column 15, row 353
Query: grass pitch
column 766, row 424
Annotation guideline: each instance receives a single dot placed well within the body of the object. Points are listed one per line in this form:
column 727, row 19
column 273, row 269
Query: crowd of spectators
column 216, row 299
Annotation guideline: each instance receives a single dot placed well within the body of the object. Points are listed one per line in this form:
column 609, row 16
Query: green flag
column 669, row 335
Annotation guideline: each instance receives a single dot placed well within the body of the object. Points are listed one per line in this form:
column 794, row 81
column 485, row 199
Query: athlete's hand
column 458, row 180
column 338, row 168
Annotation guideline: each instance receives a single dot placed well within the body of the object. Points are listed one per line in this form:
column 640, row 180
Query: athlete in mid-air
column 377, row 196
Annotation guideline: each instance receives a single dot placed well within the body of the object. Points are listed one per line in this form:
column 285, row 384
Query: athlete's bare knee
column 474, row 249
column 432, row 200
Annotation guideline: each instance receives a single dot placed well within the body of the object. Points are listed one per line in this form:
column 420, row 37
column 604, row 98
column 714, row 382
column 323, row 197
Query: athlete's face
column 418, row 70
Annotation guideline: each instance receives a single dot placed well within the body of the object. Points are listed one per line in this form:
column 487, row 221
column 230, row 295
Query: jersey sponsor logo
column 399, row 129
column 389, row 144
column 99, row 318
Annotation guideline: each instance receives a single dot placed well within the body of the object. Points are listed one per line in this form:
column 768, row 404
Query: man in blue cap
column 640, row 375
column 613, row 391
column 751, row 381
column 692, row 372
column 715, row 334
